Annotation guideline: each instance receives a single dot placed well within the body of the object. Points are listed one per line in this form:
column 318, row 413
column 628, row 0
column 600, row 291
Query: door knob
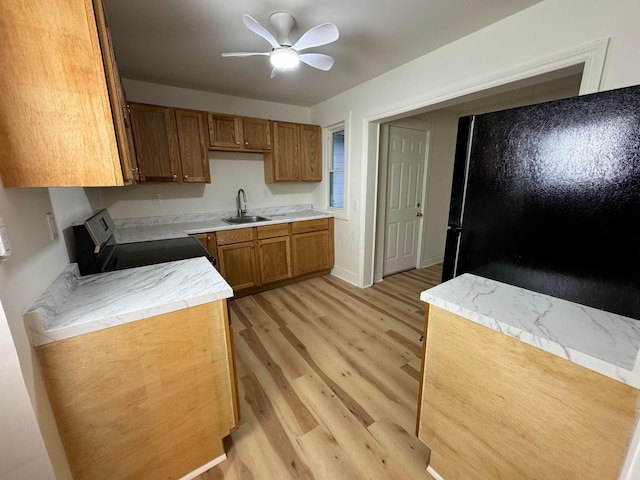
column 419, row 214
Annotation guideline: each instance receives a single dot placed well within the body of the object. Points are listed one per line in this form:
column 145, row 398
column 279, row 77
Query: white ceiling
column 179, row 42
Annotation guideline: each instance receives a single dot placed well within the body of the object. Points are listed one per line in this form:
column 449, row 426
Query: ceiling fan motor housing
column 282, row 23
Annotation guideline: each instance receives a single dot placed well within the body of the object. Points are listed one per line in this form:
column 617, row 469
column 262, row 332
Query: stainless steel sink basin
column 245, row 219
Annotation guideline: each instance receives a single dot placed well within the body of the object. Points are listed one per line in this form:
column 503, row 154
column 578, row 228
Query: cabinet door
column 286, row 145
column 156, row 143
column 224, row 131
column 256, row 134
column 310, row 153
column 208, row 241
column 121, row 115
column 311, row 252
column 238, row 264
column 194, row 156
column 275, row 259
column 56, row 112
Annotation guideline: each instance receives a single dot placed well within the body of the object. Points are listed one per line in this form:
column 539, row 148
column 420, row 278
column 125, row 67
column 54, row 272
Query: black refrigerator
column 547, row 197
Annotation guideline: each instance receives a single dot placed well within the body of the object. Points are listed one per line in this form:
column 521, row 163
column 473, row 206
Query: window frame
column 343, row 212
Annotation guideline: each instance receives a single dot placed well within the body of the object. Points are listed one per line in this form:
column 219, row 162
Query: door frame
column 381, row 213
column 592, row 58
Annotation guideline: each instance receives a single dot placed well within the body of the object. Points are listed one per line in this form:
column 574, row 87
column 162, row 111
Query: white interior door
column 405, row 180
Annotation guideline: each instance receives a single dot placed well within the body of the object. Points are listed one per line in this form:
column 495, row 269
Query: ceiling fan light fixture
column 284, row 58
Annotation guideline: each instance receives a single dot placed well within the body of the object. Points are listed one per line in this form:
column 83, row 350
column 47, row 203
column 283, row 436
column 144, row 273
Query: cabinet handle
column 175, row 177
column 246, row 143
column 238, row 143
column 186, row 176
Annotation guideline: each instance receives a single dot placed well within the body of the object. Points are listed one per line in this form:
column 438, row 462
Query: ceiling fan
column 285, row 54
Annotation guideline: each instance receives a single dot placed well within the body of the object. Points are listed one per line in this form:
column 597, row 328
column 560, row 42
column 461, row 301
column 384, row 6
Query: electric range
column 97, row 250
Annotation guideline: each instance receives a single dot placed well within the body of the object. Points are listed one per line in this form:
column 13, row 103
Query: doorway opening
column 404, row 244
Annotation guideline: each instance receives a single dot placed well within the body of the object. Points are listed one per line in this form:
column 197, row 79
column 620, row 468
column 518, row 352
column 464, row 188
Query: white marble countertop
column 157, row 228
column 600, row 341
column 74, row 305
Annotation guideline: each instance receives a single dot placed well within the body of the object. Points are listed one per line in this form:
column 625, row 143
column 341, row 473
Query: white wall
column 21, row 446
column 34, row 263
column 522, row 41
column 442, row 145
column 229, row 171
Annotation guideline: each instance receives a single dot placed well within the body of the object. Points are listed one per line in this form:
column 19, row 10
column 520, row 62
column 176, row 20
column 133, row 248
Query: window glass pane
column 338, row 150
column 336, row 170
column 336, row 187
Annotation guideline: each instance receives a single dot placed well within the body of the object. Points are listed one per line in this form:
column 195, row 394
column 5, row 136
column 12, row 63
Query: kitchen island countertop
column 75, row 305
column 604, row 342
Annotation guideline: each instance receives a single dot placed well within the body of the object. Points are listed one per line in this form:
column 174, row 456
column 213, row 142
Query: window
column 336, row 164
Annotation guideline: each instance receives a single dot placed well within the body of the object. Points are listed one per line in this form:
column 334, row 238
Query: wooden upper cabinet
column 224, row 131
column 194, row 157
column 156, row 142
column 296, row 154
column 170, row 144
column 256, row 133
column 310, row 153
column 119, row 106
column 231, row 133
column 57, row 109
column 283, row 161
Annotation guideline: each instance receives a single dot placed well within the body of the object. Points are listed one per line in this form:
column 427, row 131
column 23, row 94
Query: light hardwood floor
column 328, row 381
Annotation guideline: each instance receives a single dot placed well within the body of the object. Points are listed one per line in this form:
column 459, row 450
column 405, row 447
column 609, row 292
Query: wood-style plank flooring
column 328, row 381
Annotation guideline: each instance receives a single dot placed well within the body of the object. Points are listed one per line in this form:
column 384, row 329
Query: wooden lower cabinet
column 312, row 245
column 274, row 252
column 492, row 406
column 311, row 252
column 237, row 257
column 259, row 258
column 148, row 399
column 238, row 264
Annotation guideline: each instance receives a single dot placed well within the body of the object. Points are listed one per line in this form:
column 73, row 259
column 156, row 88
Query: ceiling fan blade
column 276, row 71
column 317, row 60
column 318, row 35
column 256, row 28
column 244, row 54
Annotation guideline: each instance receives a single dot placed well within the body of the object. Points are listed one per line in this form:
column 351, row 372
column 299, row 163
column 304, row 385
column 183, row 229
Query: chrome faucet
column 242, row 203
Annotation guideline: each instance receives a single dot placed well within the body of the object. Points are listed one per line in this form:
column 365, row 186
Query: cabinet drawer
column 271, row 231
column 234, row 236
column 310, row 226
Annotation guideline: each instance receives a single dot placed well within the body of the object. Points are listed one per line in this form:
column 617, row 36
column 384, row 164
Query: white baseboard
column 205, row 467
column 433, row 473
column 346, row 275
column 432, row 261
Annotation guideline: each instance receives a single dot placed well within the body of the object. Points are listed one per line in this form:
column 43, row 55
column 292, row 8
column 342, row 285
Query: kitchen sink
column 245, row 219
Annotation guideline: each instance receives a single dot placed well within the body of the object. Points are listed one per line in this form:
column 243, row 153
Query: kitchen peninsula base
column 148, row 399
column 496, row 403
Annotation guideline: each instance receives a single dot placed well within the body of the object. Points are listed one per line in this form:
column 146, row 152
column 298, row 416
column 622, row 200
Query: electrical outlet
column 53, row 228
column 155, row 199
